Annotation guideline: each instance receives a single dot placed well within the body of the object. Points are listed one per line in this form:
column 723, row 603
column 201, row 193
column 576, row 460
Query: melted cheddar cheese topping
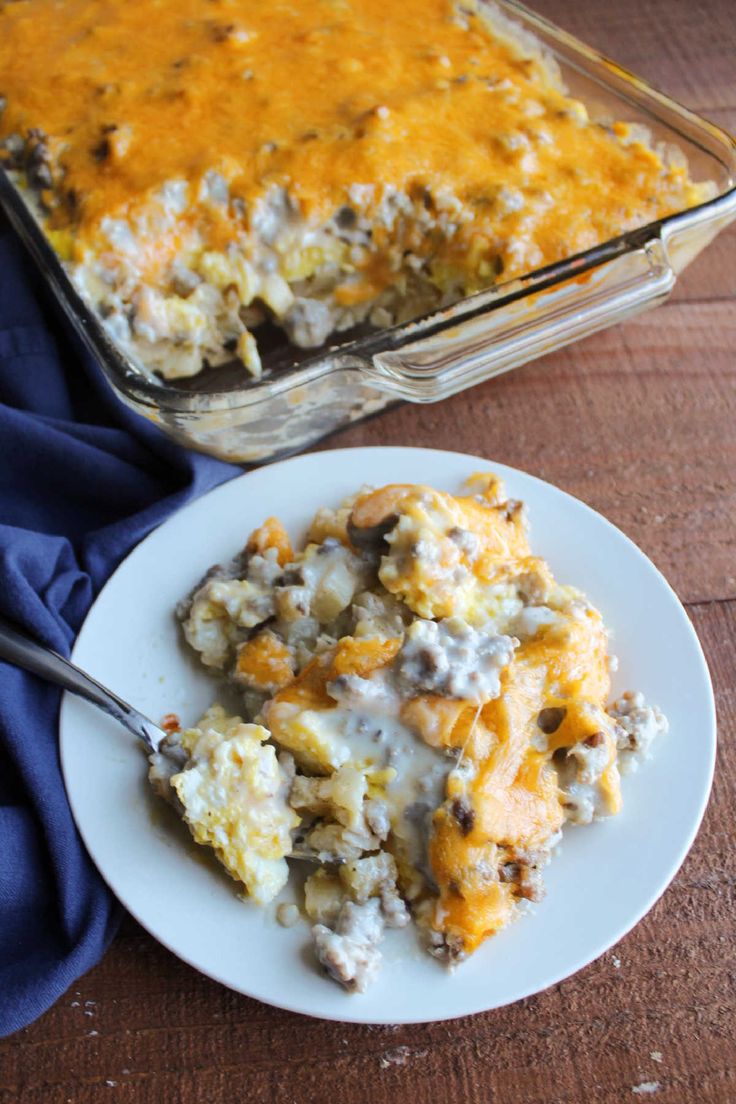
column 514, row 797
column 334, row 101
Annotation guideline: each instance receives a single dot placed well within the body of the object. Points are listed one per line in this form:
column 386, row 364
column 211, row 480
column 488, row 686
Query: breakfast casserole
column 203, row 167
column 421, row 709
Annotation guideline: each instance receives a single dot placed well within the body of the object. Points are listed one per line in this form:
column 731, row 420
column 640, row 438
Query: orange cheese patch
column 271, row 535
column 322, row 97
column 514, row 795
column 264, row 663
column 307, row 691
column 361, row 656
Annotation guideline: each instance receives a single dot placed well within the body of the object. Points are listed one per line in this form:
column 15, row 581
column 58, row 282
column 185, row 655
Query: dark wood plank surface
column 638, row 422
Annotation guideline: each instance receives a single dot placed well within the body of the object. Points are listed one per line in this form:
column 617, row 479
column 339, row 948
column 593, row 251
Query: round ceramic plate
column 604, row 878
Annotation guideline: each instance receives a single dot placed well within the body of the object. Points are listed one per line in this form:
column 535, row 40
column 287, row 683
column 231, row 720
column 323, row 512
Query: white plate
column 604, row 880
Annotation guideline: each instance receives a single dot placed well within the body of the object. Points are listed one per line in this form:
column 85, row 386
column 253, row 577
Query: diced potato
column 364, row 878
column 341, row 841
column 208, row 631
column 246, row 280
column 339, row 797
column 308, row 735
column 221, row 607
column 349, row 788
column 312, row 795
column 334, row 592
column 276, row 294
column 323, row 896
column 246, row 603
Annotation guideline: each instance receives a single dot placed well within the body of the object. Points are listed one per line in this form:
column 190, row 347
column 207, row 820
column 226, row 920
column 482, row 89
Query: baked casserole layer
column 202, row 166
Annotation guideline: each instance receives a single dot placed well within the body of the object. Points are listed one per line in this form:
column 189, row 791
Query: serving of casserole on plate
column 410, row 698
column 439, row 704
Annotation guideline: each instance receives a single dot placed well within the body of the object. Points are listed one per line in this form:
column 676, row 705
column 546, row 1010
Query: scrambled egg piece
column 233, row 793
column 450, row 556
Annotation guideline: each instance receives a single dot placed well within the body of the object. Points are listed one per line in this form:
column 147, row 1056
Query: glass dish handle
column 519, row 326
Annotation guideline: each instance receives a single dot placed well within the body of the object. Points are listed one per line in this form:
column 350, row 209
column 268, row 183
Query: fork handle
column 21, row 651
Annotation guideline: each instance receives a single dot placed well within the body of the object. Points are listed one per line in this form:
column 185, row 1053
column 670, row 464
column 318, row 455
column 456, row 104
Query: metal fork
column 21, row 651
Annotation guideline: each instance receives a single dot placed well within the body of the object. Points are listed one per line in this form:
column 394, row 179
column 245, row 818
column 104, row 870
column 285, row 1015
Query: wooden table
column 639, row 422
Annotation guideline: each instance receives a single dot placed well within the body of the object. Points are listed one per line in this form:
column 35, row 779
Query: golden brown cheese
column 318, row 96
column 513, row 801
column 271, row 535
column 432, row 587
column 361, row 656
column 514, row 796
column 264, row 663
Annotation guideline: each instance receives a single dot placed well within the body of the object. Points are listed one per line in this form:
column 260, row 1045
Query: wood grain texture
column 639, row 422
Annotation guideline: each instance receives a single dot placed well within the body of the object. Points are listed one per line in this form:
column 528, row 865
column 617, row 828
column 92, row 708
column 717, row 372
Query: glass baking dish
column 306, row 395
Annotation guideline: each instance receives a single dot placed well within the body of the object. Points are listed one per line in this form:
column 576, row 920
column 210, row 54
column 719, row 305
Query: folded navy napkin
column 82, row 480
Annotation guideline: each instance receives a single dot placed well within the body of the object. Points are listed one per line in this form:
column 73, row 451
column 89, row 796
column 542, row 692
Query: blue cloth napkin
column 82, row 480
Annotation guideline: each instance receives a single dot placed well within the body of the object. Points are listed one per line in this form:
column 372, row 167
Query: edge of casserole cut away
column 423, row 707
column 203, row 168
